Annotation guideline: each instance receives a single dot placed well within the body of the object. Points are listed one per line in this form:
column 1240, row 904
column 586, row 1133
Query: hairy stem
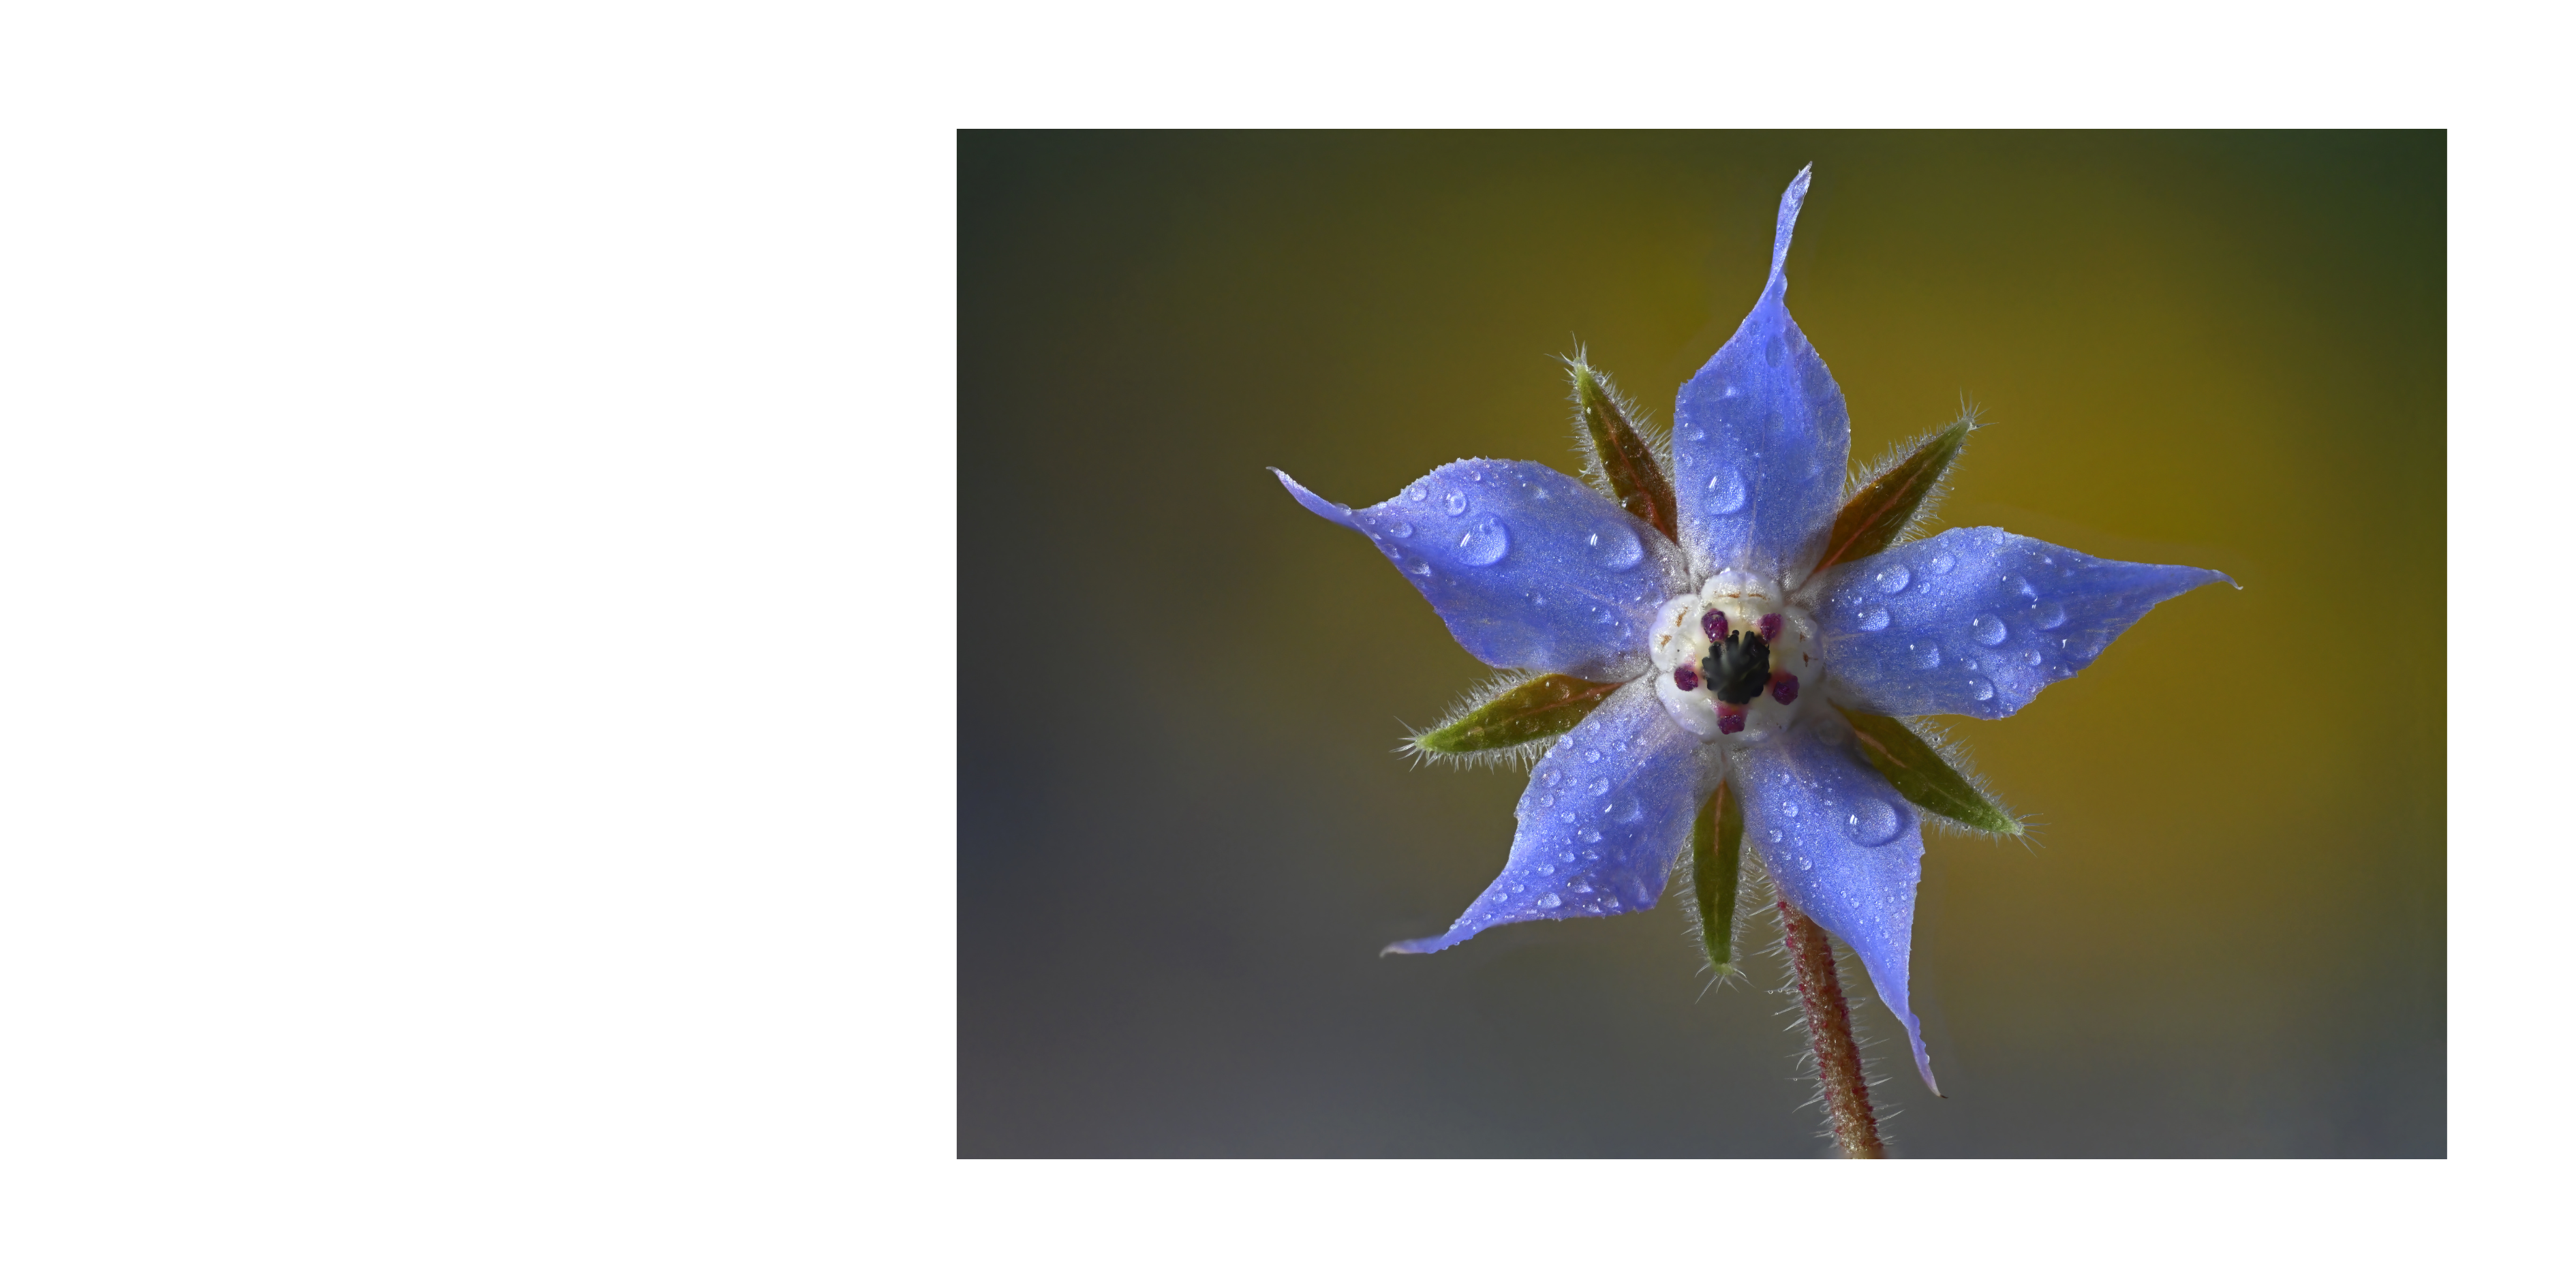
column 1838, row 1071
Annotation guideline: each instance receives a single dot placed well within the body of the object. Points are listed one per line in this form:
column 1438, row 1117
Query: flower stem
column 1838, row 1071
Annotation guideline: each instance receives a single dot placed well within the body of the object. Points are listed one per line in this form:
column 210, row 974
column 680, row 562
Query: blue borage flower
column 1745, row 635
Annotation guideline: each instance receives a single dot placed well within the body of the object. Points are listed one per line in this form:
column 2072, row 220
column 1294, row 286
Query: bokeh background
column 1183, row 836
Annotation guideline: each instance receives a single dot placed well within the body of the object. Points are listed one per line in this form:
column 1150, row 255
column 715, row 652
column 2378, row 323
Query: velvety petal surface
column 1761, row 437
column 1843, row 848
column 1607, row 814
column 1976, row 621
column 1529, row 568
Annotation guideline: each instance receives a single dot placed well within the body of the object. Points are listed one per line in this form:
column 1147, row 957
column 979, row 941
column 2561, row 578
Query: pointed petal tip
column 1314, row 504
column 1414, row 947
column 1790, row 201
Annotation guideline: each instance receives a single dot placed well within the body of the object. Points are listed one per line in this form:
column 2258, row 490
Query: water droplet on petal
column 1616, row 548
column 1789, row 809
column 1484, row 542
column 1590, row 835
column 2048, row 617
column 1980, row 690
column 1592, row 757
column 1892, row 579
column 1988, row 628
column 1941, row 563
column 1871, row 822
column 1775, row 836
column 1400, row 529
column 1725, row 491
column 1455, row 503
column 1419, row 569
column 1803, row 864
column 1775, row 350
column 1550, row 899
column 1923, row 656
column 1873, row 618
column 1420, row 494
column 1600, row 787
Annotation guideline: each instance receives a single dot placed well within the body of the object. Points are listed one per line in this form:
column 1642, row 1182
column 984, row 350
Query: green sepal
column 1623, row 457
column 1543, row 707
column 1717, row 869
column 1921, row 775
column 1876, row 516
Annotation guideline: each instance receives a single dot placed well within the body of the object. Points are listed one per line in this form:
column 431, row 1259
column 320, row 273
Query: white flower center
column 1734, row 662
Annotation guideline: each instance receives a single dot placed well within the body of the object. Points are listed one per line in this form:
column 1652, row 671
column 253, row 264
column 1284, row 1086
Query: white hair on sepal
column 1919, row 522
column 1686, row 878
column 1954, row 753
column 1517, row 756
column 1659, row 440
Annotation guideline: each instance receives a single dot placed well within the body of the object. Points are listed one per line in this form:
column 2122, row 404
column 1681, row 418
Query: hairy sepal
column 1717, row 871
column 1510, row 719
column 1896, row 498
column 1617, row 454
column 1921, row 774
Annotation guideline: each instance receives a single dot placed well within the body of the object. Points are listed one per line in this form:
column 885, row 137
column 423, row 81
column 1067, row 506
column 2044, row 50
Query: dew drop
column 1617, row 548
column 1923, row 656
column 1980, row 690
column 1775, row 350
column 1455, row 503
column 1725, row 491
column 1484, row 542
column 1600, row 787
column 1789, row 809
column 1590, row 835
column 1775, row 836
column 2048, row 617
column 1610, row 901
column 1872, row 821
column 1803, row 864
column 1547, row 869
column 1592, row 757
column 1420, row 494
column 1941, row 563
column 1400, row 530
column 1419, row 569
column 2030, row 657
column 1989, row 629
column 1550, row 899
column 1893, row 579
column 1873, row 618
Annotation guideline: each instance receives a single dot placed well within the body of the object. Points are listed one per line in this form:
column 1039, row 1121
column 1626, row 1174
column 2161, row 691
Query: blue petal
column 1608, row 810
column 1976, row 621
column 1760, row 438
column 1528, row 567
column 1843, row 848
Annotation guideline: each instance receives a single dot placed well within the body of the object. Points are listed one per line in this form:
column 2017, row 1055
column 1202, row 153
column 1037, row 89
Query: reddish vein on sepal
column 1876, row 515
column 1626, row 459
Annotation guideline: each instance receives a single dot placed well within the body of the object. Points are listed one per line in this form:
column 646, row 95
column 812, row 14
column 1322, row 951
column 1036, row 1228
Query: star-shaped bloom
column 1737, row 652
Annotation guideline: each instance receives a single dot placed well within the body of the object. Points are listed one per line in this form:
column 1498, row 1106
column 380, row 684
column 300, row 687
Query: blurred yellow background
column 1183, row 834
